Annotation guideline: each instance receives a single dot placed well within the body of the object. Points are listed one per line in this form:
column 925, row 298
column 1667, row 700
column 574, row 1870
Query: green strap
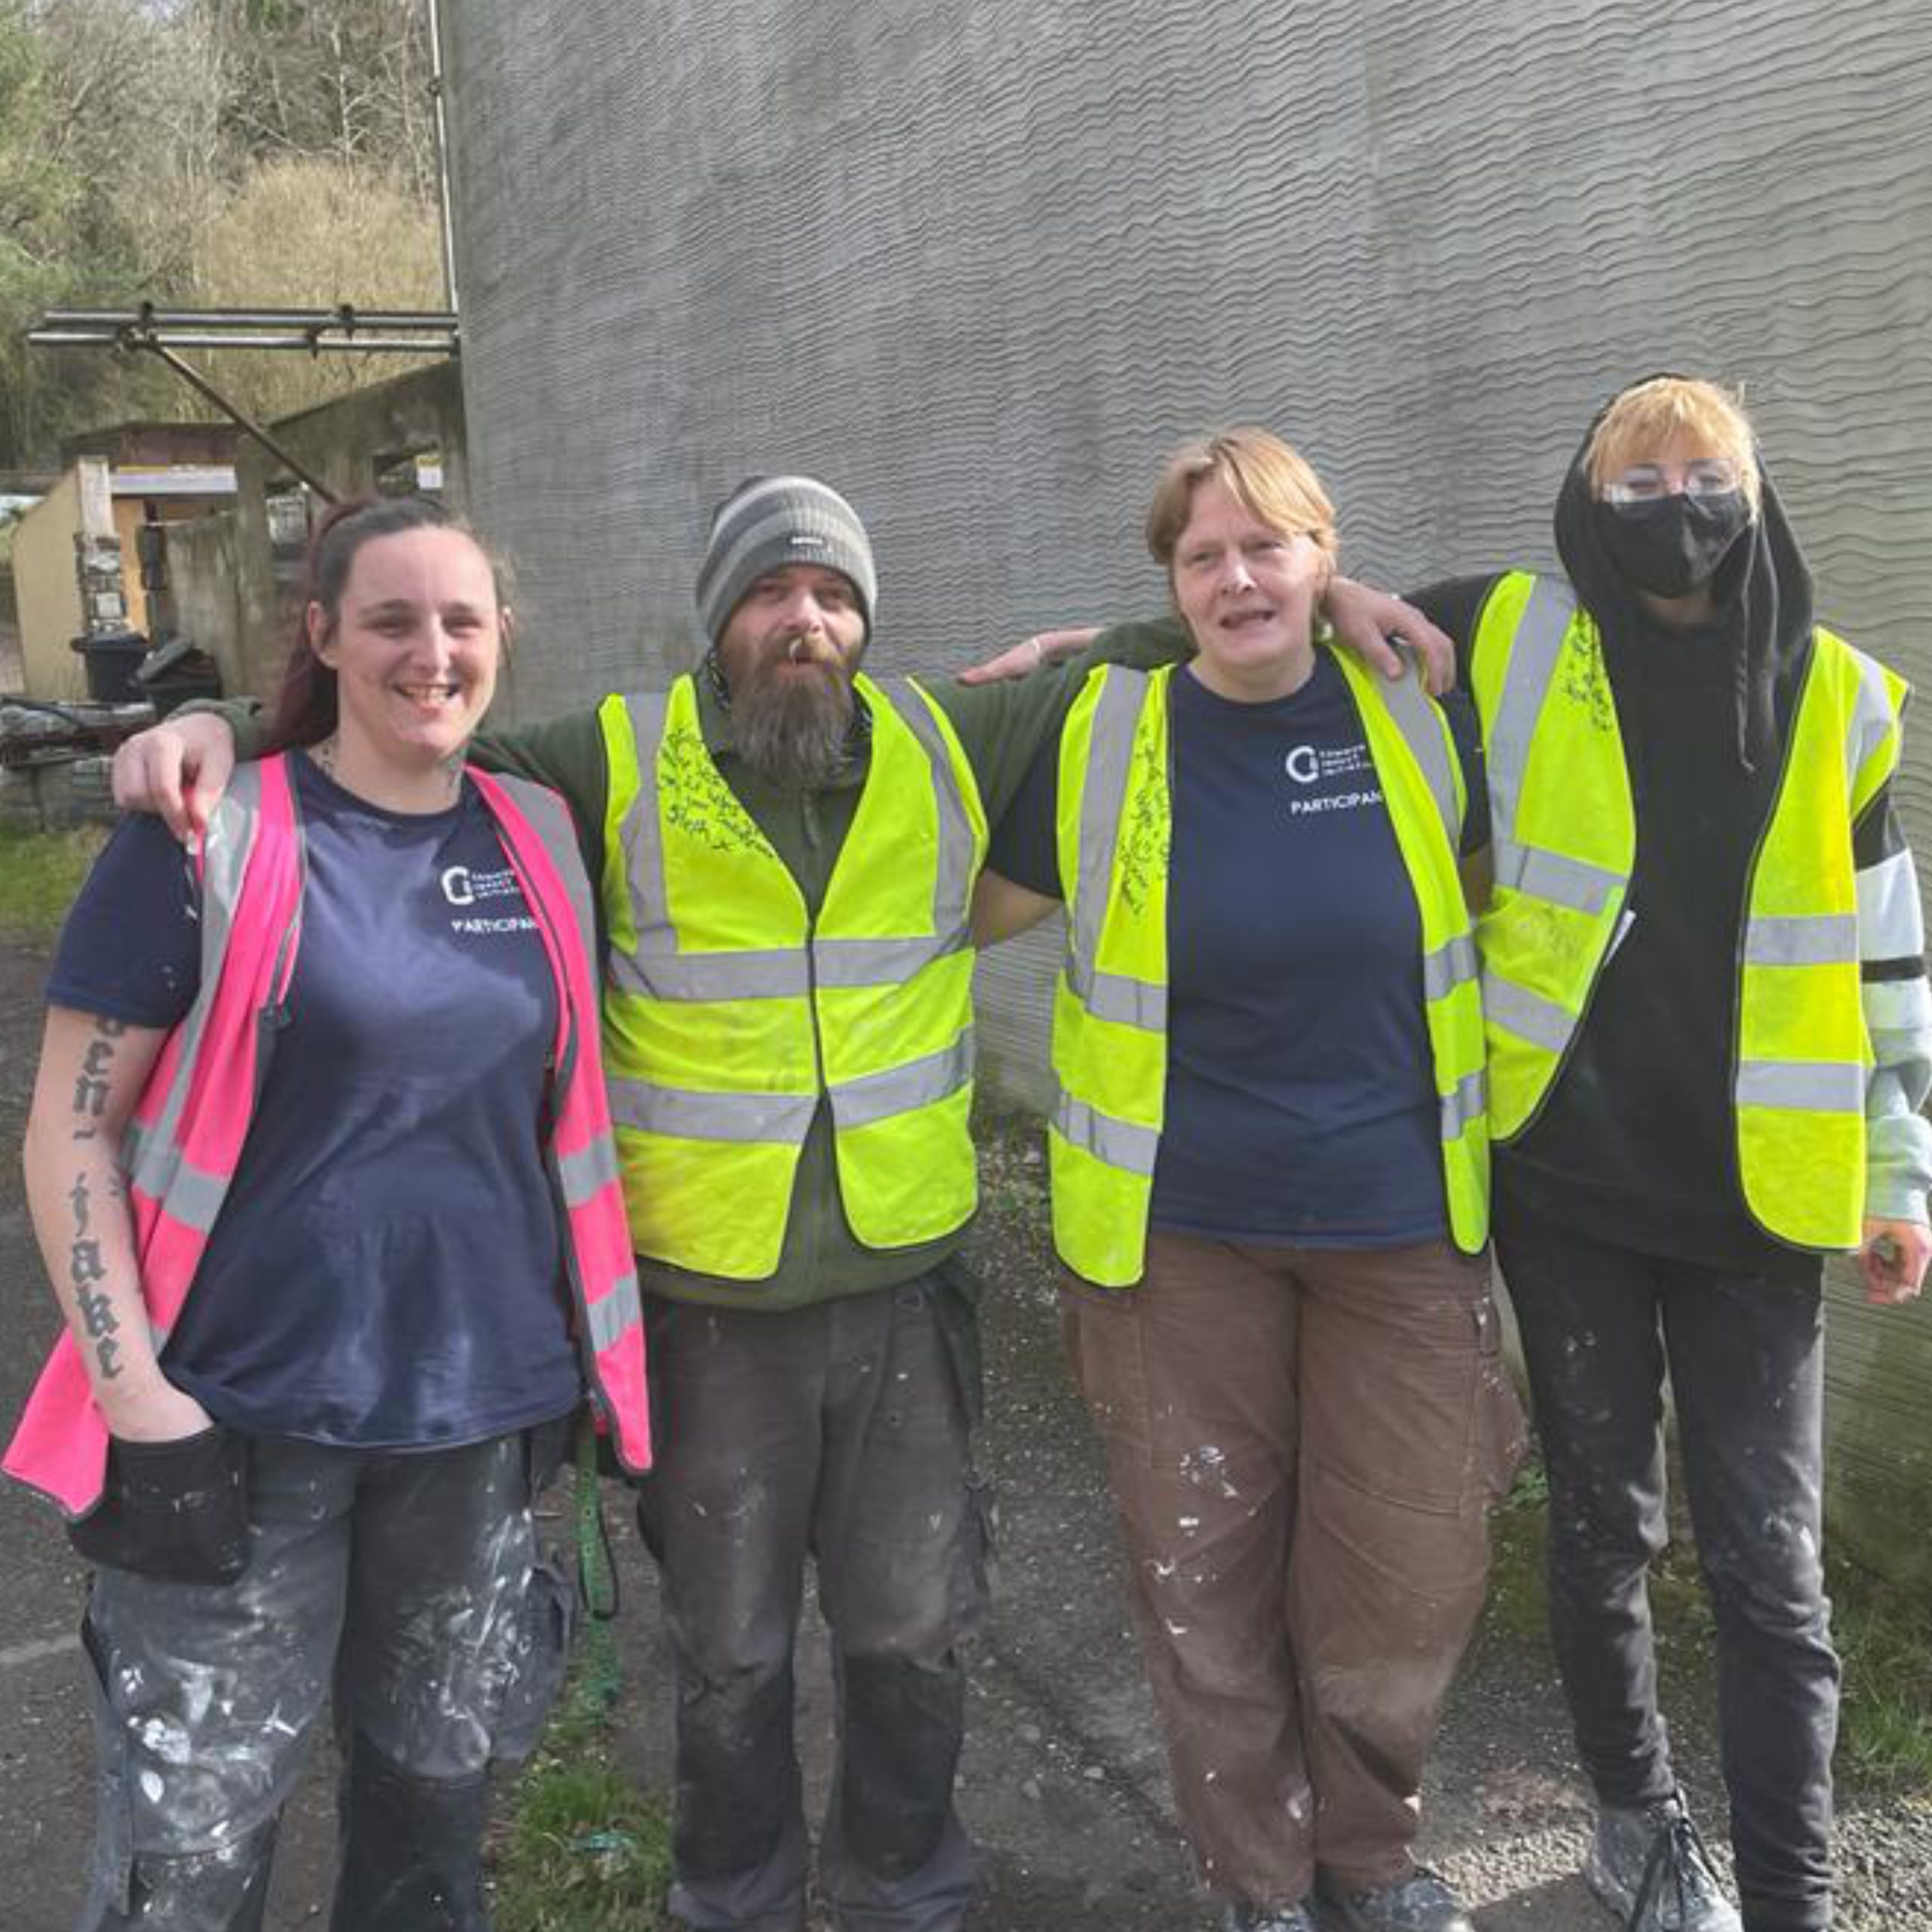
column 598, row 1674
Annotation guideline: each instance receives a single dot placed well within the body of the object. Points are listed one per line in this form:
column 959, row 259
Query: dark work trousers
column 840, row 1432
column 407, row 1584
column 1304, row 1444
column 1746, row 1362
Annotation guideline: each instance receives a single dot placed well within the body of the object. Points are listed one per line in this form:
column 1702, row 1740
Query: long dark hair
column 305, row 712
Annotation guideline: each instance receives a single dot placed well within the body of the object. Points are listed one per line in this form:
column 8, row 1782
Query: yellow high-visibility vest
column 1565, row 836
column 730, row 1014
column 1110, row 1006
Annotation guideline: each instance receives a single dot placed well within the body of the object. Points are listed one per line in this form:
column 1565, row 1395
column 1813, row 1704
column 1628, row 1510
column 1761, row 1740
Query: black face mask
column 1674, row 546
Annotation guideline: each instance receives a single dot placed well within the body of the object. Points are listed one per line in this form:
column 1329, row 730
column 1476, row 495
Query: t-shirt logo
column 1344, row 776
column 463, row 885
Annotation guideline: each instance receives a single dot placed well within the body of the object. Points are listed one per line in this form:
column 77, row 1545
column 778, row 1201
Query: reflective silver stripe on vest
column 550, row 819
column 1467, row 1104
column 1533, row 660
column 1817, row 939
column 952, row 888
column 1890, row 923
column 882, row 962
column 1114, row 997
column 1449, row 967
column 640, row 834
column 1542, row 874
column 189, row 1195
column 1421, row 726
column 614, row 1315
column 1102, row 802
column 1118, row 1143
column 1529, row 1016
column 584, row 1175
column 747, row 1118
column 1871, row 715
column 1805, row 1086
column 902, row 1090
column 782, row 973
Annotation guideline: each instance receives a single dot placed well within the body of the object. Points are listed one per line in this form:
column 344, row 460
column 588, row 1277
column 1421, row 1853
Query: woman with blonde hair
column 1270, row 1191
column 1710, row 1038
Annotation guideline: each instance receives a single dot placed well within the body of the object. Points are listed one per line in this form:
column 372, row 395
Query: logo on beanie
column 809, row 540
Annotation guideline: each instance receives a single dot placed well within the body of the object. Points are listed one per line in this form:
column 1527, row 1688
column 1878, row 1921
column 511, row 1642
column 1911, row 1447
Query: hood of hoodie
column 1762, row 590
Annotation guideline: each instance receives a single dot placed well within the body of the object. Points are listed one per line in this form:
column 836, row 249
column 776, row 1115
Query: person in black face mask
column 1703, row 914
column 1709, row 1036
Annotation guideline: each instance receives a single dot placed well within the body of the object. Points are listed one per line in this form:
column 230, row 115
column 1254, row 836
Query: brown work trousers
column 1304, row 1444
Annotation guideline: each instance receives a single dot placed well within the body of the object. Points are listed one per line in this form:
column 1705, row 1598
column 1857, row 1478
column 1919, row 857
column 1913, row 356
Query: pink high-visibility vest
column 181, row 1150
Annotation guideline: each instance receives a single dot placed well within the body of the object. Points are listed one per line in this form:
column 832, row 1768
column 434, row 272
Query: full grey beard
column 794, row 736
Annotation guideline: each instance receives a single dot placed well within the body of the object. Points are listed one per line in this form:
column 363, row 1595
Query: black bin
column 113, row 657
column 173, row 673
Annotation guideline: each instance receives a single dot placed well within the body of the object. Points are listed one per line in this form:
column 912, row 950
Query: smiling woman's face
column 415, row 646
column 1247, row 593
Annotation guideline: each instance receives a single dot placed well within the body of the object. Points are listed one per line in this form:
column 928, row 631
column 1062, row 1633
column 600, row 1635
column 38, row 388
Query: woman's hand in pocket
column 159, row 1413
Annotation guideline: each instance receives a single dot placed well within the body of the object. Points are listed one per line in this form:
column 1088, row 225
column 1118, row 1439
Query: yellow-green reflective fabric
column 1564, row 832
column 1803, row 1055
column 1565, row 838
column 896, row 1033
column 1422, row 784
column 1110, row 1032
column 727, row 1012
column 1110, row 1006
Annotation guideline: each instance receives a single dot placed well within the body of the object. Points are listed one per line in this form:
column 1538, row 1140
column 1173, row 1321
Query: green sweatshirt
column 1000, row 727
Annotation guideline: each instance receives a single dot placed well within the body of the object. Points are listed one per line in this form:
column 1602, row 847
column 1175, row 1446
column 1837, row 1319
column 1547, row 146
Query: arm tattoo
column 90, row 1084
column 86, row 1270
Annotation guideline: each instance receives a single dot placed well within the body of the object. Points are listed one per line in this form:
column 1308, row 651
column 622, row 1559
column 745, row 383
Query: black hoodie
column 1635, row 1144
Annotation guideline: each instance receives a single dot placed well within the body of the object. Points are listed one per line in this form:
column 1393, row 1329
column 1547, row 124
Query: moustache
column 802, row 648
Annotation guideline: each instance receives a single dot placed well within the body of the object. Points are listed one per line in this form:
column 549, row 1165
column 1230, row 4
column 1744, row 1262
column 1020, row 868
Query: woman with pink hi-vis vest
column 321, row 1167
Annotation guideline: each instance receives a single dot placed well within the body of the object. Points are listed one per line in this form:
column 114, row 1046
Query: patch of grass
column 584, row 1850
column 1883, row 1631
column 40, row 872
column 1519, row 1540
column 1884, row 1635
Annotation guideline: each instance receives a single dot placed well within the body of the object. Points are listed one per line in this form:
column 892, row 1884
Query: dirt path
column 1063, row 1776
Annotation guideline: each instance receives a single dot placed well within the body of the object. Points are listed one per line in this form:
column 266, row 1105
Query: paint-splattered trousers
column 1304, row 1444
column 840, row 1431
column 410, row 1587
column 1746, row 1362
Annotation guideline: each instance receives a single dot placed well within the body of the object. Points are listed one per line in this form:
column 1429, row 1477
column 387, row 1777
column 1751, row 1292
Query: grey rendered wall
column 979, row 263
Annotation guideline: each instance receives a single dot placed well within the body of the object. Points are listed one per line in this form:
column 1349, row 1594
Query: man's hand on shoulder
column 1023, row 659
column 179, row 768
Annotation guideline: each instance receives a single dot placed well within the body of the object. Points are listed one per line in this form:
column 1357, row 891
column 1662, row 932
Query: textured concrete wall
column 980, row 264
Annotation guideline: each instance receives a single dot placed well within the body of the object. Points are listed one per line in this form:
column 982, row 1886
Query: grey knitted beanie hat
column 769, row 522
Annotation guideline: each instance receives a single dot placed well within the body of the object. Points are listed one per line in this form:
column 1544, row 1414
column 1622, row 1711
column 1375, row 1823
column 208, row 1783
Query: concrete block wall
column 981, row 264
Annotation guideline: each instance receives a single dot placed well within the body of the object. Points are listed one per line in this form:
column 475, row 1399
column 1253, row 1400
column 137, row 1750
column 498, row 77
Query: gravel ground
column 1063, row 1777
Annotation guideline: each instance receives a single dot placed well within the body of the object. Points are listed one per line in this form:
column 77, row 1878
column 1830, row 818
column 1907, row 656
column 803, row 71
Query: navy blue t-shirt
column 386, row 1272
column 1301, row 1103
